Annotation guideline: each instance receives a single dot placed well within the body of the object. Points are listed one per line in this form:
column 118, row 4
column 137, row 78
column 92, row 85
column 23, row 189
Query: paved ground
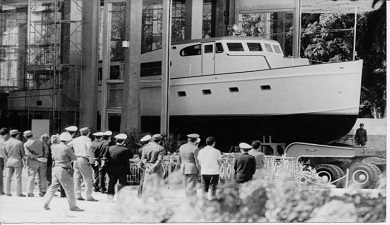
column 126, row 208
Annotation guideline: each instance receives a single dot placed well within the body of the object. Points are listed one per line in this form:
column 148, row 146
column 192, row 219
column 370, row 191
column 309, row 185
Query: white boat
column 241, row 88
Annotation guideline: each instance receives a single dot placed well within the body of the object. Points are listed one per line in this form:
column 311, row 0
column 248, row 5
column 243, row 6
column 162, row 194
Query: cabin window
column 218, row 48
column 233, row 89
column 277, row 49
column 208, row 49
column 191, row 50
column 268, row 47
column 254, row 47
column 151, row 69
column 206, row 92
column 235, row 47
column 181, row 93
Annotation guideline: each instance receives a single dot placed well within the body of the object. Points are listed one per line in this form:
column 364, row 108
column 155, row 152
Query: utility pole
column 165, row 77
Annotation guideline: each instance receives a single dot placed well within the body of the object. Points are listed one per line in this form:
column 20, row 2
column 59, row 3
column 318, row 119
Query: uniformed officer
column 82, row 166
column 95, row 150
column 71, row 130
column 144, row 141
column 103, row 148
column 152, row 158
column 62, row 156
column 244, row 164
column 37, row 152
column 14, row 153
column 118, row 162
column 189, row 165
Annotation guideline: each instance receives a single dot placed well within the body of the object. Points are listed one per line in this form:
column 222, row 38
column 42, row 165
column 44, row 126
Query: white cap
column 121, row 136
column 244, row 146
column 193, row 135
column 71, row 128
column 146, row 138
column 98, row 134
column 107, row 133
column 65, row 136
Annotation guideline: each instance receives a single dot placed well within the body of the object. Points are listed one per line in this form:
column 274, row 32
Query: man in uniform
column 14, row 153
column 62, row 156
column 3, row 137
column 95, row 150
column 36, row 151
column 46, row 140
column 118, row 162
column 361, row 136
column 259, row 157
column 103, row 148
column 82, row 166
column 189, row 165
column 144, row 141
column 152, row 159
column 244, row 164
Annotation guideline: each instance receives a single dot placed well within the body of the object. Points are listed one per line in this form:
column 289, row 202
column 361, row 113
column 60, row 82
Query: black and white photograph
column 193, row 111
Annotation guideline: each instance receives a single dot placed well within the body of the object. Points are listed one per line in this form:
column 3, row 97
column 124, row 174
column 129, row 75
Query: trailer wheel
column 364, row 175
column 332, row 172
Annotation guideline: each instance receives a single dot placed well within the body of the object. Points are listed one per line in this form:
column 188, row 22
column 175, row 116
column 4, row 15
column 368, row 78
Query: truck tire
column 364, row 175
column 332, row 172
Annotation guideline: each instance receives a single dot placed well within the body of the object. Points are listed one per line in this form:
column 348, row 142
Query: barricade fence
column 275, row 167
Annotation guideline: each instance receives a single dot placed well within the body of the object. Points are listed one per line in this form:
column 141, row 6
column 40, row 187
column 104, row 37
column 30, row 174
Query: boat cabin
column 218, row 56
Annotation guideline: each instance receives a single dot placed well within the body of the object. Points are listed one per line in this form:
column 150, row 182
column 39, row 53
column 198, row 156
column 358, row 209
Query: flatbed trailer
column 365, row 165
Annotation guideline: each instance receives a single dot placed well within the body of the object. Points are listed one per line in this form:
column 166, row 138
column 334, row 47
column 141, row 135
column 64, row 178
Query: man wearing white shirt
column 210, row 160
column 82, row 166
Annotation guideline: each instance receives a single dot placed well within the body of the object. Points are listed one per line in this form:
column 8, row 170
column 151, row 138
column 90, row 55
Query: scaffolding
column 53, row 59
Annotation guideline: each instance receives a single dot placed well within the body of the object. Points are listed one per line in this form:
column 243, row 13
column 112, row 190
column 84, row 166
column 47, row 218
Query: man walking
column 361, row 135
column 189, row 165
column 95, row 151
column 46, row 140
column 62, row 156
column 101, row 151
column 14, row 153
column 118, row 160
column 36, row 151
column 82, row 168
column 210, row 160
column 3, row 137
column 152, row 159
column 244, row 164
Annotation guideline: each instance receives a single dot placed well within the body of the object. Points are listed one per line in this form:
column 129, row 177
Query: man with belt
column 189, row 165
column 3, row 137
column 82, row 166
column 36, row 151
column 152, row 159
column 62, row 156
column 95, row 151
column 118, row 162
column 14, row 153
column 103, row 148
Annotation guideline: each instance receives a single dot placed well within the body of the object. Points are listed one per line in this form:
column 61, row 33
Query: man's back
column 81, row 145
column 36, row 147
column 259, row 157
column 14, row 152
column 118, row 158
column 244, row 166
column 208, row 158
column 188, row 154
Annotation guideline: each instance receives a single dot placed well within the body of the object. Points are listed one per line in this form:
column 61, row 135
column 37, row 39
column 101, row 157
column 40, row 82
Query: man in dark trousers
column 244, row 164
column 105, row 144
column 118, row 162
column 95, row 144
column 361, row 136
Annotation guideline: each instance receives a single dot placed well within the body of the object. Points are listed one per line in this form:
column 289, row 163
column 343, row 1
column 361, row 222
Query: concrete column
column 89, row 78
column 131, row 106
column 233, row 12
column 194, row 19
column 22, row 52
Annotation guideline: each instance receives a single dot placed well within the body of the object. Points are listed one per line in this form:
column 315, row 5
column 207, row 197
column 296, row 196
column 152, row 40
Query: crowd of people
column 63, row 162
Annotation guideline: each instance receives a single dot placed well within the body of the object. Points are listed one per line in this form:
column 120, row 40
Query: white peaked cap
column 71, row 128
column 146, row 138
column 65, row 136
column 107, row 133
column 244, row 146
column 121, row 136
